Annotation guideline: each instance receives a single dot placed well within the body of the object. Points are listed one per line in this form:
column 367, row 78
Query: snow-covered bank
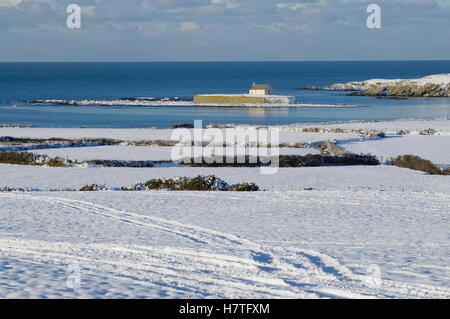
column 433, row 148
column 323, row 178
column 437, row 85
column 264, row 245
column 155, row 134
column 409, row 126
column 307, row 132
column 118, row 102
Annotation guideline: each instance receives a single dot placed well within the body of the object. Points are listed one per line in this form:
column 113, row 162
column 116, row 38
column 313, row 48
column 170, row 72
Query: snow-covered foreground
column 227, row 245
column 316, row 232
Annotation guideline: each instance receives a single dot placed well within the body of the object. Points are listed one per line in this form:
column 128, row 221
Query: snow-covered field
column 319, row 232
column 225, row 245
column 395, row 145
column 383, row 178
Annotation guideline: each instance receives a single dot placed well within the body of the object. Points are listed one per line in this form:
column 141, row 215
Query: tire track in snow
column 267, row 257
column 299, row 272
column 180, row 269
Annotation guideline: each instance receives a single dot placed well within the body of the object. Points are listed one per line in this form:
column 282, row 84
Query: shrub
column 429, row 131
column 417, row 163
column 92, row 188
column 158, row 184
column 446, row 171
column 19, row 158
column 56, row 162
column 244, row 187
column 24, row 158
column 199, row 183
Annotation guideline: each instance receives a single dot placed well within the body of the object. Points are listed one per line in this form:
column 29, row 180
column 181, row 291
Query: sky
column 224, row 30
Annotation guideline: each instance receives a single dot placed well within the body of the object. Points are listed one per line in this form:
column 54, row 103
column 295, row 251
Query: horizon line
column 233, row 61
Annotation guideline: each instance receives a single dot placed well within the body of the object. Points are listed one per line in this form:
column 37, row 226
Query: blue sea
column 21, row 82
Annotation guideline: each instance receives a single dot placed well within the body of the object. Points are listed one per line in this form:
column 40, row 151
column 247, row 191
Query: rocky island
column 430, row 86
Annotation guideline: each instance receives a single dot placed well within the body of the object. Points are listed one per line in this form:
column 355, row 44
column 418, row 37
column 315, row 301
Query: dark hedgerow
column 88, row 188
column 244, row 187
column 418, row 164
column 159, row 183
column 25, row 158
column 18, row 158
column 93, row 188
column 315, row 160
column 199, row 183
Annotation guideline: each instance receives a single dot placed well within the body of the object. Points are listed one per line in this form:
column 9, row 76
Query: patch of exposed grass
column 228, row 99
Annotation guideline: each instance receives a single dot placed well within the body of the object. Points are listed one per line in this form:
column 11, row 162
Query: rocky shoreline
column 178, row 102
column 430, row 86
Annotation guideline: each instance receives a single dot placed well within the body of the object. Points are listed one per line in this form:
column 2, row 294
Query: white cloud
column 88, row 10
column 188, row 26
column 291, row 6
column 229, row 4
column 9, row 3
column 280, row 26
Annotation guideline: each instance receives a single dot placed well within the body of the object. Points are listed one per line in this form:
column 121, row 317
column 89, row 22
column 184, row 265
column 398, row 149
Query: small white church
column 259, row 94
column 261, row 89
